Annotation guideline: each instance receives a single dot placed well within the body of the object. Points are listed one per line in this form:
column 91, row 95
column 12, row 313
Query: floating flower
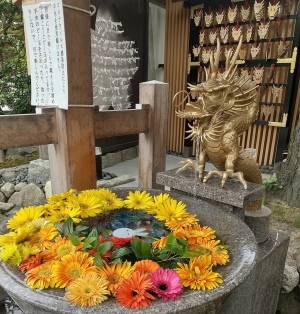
column 88, row 290
column 86, row 202
column 72, row 267
column 31, row 262
column 193, row 234
column 146, row 266
column 110, row 199
column 10, row 254
column 219, row 255
column 44, row 236
column 41, row 277
column 115, row 274
column 157, row 200
column 186, row 221
column 59, row 248
column 24, row 216
column 138, row 200
column 62, row 213
column 60, row 199
column 133, row 292
column 171, row 210
column 160, row 243
column 38, row 223
column 120, row 241
column 166, row 284
column 26, row 249
column 198, row 274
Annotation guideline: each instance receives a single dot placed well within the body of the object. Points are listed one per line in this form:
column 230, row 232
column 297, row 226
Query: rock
column 20, row 186
column 128, row 153
column 290, row 279
column 2, row 197
column 16, row 199
column 48, row 189
column 8, row 176
column 297, row 256
column 8, row 189
column 39, row 171
column 114, row 182
column 32, row 195
column 5, row 207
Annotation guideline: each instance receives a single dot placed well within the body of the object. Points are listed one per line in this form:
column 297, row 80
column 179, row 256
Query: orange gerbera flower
column 160, row 243
column 59, row 248
column 187, row 221
column 115, row 274
column 88, row 290
column 44, row 236
column 133, row 292
column 72, row 267
column 41, row 277
column 195, row 232
column 31, row 262
column 146, row 266
column 219, row 255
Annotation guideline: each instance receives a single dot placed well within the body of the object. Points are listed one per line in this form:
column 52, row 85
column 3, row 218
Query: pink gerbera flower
column 166, row 284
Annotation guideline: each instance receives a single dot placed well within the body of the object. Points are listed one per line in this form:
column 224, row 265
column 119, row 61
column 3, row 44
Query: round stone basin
column 234, row 232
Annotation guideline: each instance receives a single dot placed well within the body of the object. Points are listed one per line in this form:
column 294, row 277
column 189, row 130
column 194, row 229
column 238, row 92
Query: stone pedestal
column 259, row 222
column 232, row 197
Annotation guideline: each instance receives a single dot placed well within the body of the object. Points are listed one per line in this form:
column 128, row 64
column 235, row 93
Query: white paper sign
column 45, row 31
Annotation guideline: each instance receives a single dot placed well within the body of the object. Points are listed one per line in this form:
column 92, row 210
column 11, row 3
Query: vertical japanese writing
column 46, row 40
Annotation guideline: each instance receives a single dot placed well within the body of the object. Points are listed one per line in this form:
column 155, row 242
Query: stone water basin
column 235, row 233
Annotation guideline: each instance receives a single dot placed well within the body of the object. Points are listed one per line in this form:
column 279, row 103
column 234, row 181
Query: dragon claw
column 225, row 175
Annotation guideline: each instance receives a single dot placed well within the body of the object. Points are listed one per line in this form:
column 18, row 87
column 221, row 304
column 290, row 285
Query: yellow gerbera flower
column 60, row 198
column 27, row 250
column 171, row 210
column 88, row 204
column 41, row 277
column 115, row 274
column 10, row 254
column 59, row 248
column 88, row 290
column 186, row 221
column 42, row 237
column 138, row 200
column 62, row 213
column 72, row 267
column 24, row 216
column 38, row 223
column 157, row 200
column 110, row 199
column 198, row 274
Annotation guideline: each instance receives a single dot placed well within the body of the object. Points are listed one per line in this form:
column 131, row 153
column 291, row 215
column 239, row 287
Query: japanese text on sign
column 47, row 51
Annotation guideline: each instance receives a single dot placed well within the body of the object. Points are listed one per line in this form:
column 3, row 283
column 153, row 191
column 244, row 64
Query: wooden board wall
column 175, row 67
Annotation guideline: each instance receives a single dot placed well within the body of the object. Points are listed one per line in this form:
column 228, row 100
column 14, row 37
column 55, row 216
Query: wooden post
column 152, row 145
column 72, row 160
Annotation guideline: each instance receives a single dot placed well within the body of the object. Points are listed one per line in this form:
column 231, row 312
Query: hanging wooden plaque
column 258, row 74
column 224, row 33
column 245, row 12
column 258, row 9
column 273, row 10
column 232, row 13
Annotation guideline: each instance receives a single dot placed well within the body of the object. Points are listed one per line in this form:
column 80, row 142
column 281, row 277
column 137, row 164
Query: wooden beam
column 72, row 160
column 28, row 129
column 124, row 122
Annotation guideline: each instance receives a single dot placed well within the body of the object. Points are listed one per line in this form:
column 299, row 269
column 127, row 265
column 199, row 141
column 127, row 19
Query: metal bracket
column 194, row 7
column 240, row 61
column 291, row 60
column 190, row 64
column 281, row 124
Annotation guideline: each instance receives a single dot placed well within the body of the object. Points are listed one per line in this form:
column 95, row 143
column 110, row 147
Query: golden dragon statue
column 224, row 109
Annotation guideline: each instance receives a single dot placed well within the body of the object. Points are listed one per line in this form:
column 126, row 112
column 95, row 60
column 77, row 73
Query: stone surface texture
column 39, row 171
column 232, row 193
column 259, row 222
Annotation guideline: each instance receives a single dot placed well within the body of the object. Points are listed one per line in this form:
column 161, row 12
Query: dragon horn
column 217, row 54
column 213, row 68
column 232, row 63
